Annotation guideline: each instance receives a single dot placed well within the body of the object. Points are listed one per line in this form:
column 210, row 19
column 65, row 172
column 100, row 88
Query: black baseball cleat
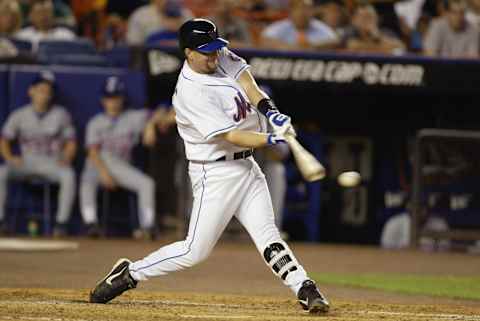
column 311, row 299
column 114, row 283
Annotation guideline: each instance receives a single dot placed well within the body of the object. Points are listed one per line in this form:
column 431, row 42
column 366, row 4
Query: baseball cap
column 200, row 35
column 113, row 87
column 44, row 77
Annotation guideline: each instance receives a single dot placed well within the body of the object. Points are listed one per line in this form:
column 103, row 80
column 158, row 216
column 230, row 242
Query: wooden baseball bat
column 307, row 164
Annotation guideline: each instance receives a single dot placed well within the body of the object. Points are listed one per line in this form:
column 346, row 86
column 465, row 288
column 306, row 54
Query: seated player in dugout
column 219, row 112
column 47, row 143
column 110, row 138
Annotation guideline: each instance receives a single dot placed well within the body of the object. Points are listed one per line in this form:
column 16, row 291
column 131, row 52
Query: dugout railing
column 423, row 139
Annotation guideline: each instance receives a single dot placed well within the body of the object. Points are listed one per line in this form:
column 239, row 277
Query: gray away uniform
column 41, row 138
column 115, row 138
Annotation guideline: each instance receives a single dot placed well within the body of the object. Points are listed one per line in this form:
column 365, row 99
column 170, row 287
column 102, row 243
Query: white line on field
column 338, row 313
column 426, row 315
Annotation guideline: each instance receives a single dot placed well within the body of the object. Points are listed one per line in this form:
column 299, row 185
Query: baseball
column 349, row 179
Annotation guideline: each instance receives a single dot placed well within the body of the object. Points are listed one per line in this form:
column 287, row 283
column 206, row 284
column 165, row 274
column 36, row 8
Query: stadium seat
column 79, row 52
column 56, row 47
column 118, row 56
column 76, row 60
column 25, row 198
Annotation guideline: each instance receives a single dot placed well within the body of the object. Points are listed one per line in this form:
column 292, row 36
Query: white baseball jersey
column 40, row 135
column 207, row 105
column 220, row 105
column 117, row 136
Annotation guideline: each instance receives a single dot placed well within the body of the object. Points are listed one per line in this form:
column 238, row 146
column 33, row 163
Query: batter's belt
column 239, row 155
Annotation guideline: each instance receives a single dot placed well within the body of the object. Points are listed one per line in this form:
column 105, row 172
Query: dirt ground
column 233, row 284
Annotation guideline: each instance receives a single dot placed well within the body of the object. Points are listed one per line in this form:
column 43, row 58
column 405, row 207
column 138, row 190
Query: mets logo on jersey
column 243, row 108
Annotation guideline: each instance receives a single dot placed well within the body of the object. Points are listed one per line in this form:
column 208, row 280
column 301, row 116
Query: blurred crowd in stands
column 442, row 28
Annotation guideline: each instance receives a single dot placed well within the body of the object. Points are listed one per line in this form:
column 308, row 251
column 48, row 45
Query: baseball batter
column 214, row 101
column 110, row 138
column 47, row 142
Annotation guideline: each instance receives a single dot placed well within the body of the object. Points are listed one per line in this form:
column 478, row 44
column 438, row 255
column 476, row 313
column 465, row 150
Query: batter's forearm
column 253, row 91
column 256, row 96
column 248, row 139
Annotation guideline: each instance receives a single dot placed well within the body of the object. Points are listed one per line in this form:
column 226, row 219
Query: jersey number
column 243, row 107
